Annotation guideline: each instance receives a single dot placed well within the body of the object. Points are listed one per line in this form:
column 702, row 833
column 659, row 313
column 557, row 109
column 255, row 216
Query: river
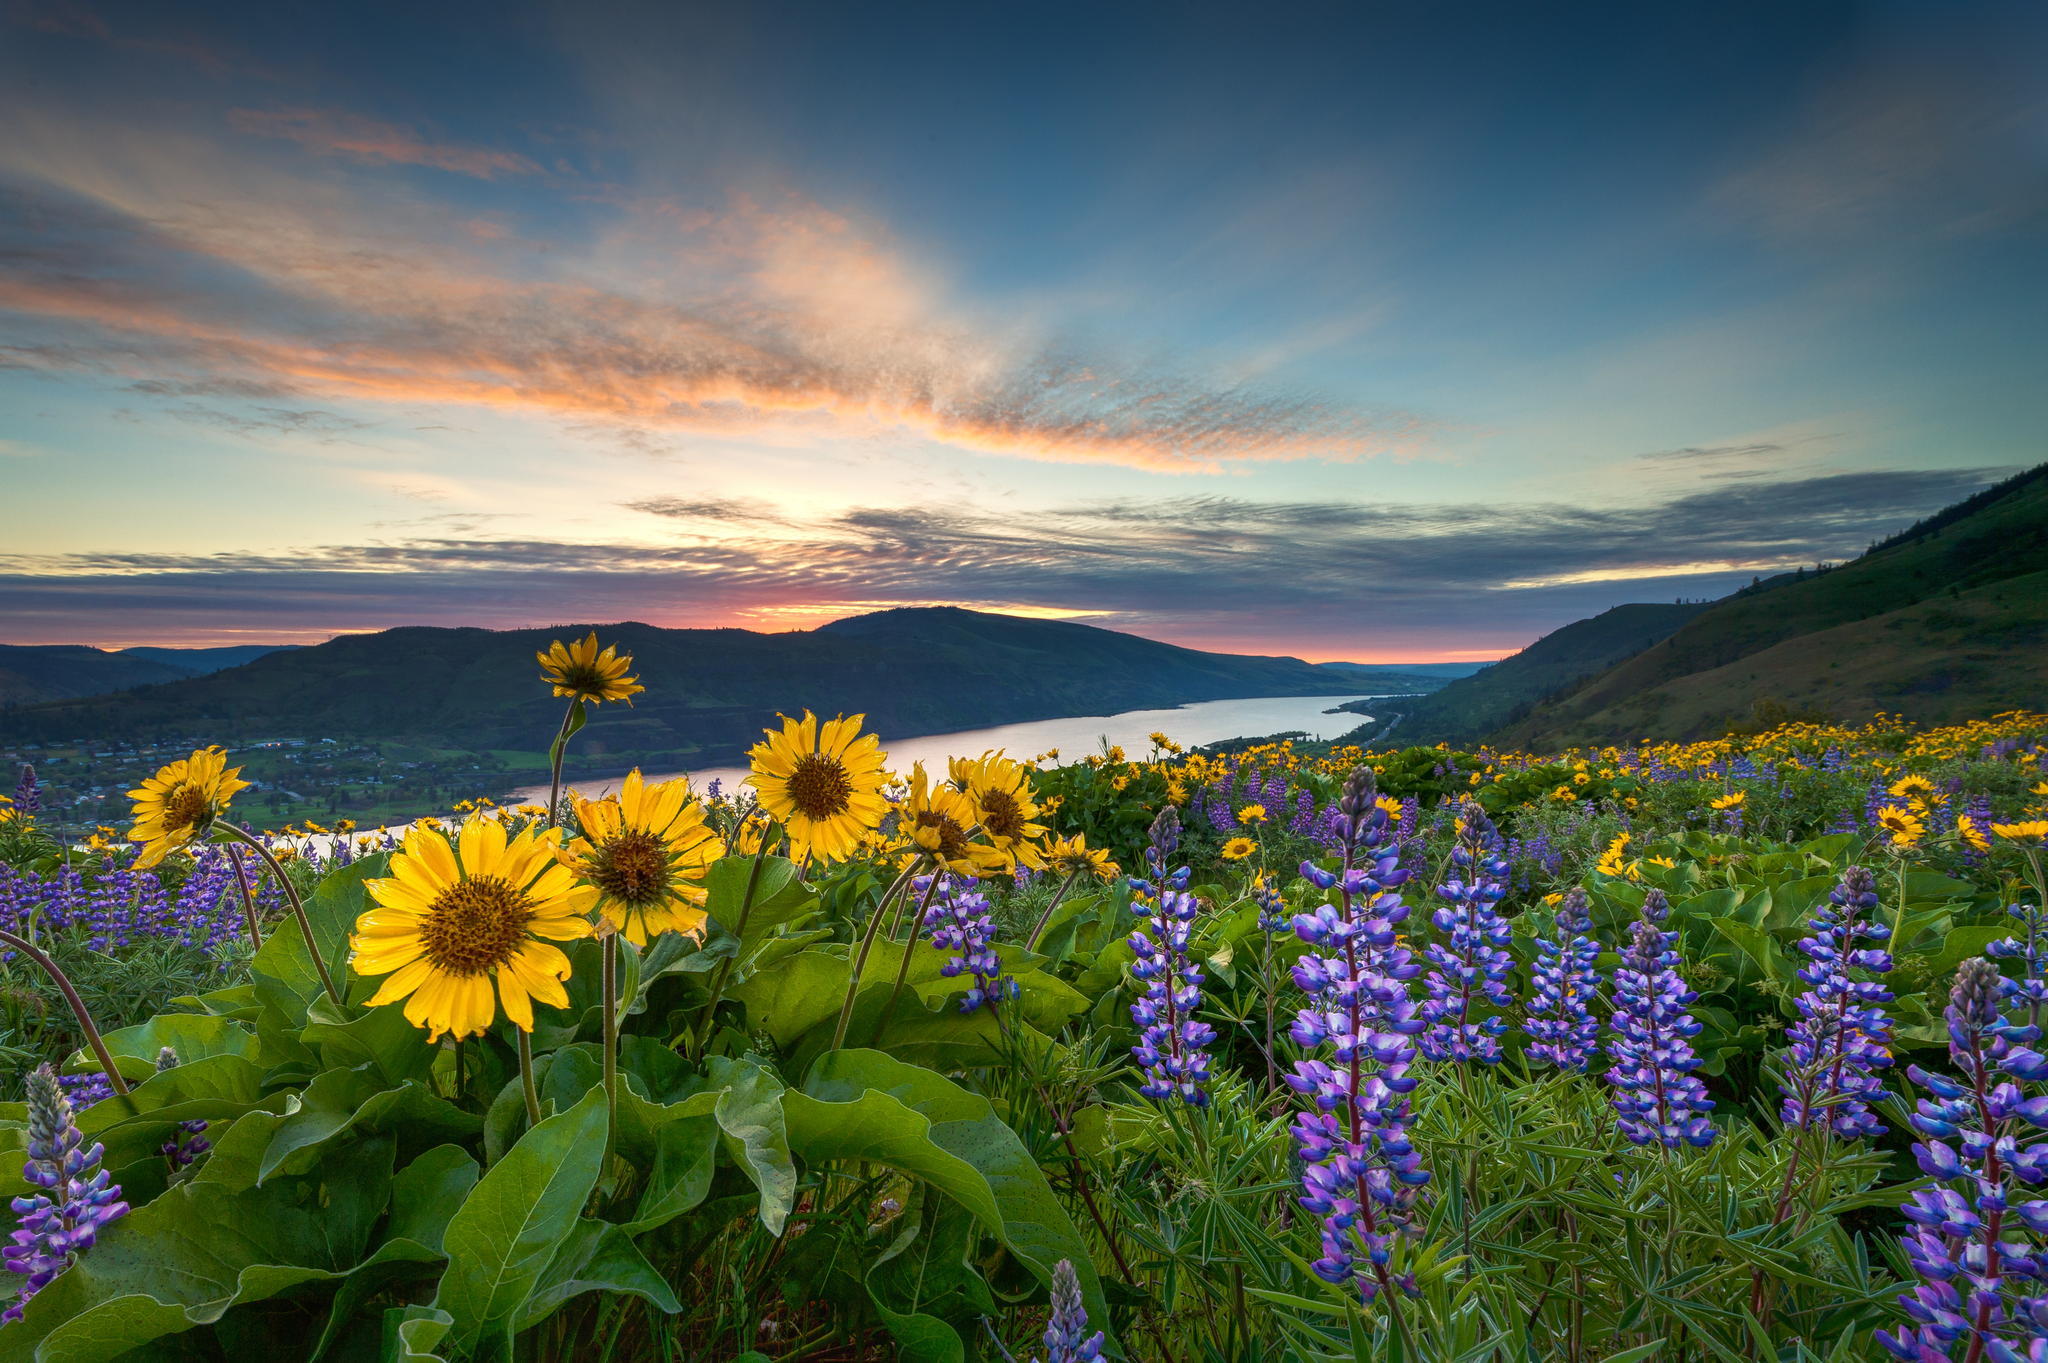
column 1208, row 721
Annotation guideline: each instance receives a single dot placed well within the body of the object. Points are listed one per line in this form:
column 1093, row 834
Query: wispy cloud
column 336, row 132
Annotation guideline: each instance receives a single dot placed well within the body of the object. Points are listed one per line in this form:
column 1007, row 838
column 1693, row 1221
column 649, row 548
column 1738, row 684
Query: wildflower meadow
column 1712, row 1051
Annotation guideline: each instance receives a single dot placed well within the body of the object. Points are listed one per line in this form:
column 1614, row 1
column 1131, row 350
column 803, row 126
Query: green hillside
column 709, row 691
column 31, row 673
column 1471, row 706
column 1945, row 621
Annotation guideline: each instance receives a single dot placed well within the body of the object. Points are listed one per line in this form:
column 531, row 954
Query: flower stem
column 739, row 932
column 555, row 754
column 1038, row 928
column 611, row 1033
column 903, row 969
column 860, row 959
column 526, row 1076
column 248, row 898
column 78, row 1010
column 291, row 895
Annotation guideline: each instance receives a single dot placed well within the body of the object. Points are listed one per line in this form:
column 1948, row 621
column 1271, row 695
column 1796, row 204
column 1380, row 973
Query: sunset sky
column 1366, row 331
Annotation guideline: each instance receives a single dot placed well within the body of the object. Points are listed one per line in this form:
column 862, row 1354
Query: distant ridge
column 912, row 671
column 1945, row 621
column 32, row 673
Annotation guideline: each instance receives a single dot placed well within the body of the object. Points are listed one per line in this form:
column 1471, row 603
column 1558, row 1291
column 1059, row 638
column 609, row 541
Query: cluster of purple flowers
column 83, row 1090
column 2030, row 949
column 1657, row 1097
column 1842, row 1038
column 78, row 1196
column 959, row 921
column 1172, row 1043
column 1066, row 1334
column 1471, row 953
column 1361, row 1174
column 28, row 796
column 1980, row 1284
column 1561, row 1024
column 109, row 905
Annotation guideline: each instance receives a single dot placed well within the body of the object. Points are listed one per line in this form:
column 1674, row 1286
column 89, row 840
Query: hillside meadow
column 1717, row 1050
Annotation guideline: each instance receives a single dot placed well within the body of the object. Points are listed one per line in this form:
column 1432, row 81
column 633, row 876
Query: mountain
column 1440, row 671
column 42, row 672
column 710, row 691
column 1945, row 621
column 1471, row 706
column 196, row 662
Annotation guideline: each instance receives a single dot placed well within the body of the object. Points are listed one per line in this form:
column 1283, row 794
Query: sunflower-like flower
column 1068, row 856
column 2027, row 832
column 1907, row 787
column 581, row 671
column 1005, row 807
column 823, row 782
column 1732, row 800
column 1906, row 827
column 182, row 802
column 646, row 851
column 1237, row 849
column 1971, row 833
column 941, row 821
column 454, row 918
column 1252, row 814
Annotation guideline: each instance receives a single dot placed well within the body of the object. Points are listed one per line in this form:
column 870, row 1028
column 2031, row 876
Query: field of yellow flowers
column 1714, row 1051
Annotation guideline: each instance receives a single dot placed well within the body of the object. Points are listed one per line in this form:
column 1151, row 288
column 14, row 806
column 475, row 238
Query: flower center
column 631, row 868
column 474, row 924
column 1001, row 815
column 952, row 837
column 820, row 787
column 185, row 808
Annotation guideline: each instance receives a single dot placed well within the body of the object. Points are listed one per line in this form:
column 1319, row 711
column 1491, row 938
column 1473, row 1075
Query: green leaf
column 865, row 1105
column 779, row 896
column 193, row 1036
column 501, row 1241
column 1637, row 1354
column 340, row 1102
column 750, row 1113
column 685, row 1158
column 411, row 1334
column 285, row 977
column 595, row 1257
column 424, row 1195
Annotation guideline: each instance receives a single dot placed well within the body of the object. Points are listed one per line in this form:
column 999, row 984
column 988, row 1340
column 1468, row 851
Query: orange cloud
column 365, row 139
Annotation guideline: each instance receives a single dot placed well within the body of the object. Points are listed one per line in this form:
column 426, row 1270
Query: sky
column 1381, row 332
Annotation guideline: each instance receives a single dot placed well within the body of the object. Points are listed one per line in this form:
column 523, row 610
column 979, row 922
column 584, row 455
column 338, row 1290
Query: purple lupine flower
column 28, row 796
column 1561, row 1024
column 1361, row 1174
column 1974, row 1237
column 190, row 1141
column 959, row 921
column 78, row 1198
column 1066, row 1337
column 1842, row 1037
column 83, row 1090
column 1656, row 1095
column 1471, row 957
column 1172, row 1042
column 2031, row 950
column 1222, row 811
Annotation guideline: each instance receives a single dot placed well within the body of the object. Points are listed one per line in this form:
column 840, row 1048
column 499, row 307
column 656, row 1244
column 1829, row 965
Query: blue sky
column 1349, row 331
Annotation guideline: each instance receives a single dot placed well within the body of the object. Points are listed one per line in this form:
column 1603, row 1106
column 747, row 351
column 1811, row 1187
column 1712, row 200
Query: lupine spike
column 1172, row 1041
column 1361, row 1174
column 1561, row 1024
column 1842, row 1038
column 1066, row 1334
column 959, row 921
column 1656, row 1095
column 78, row 1199
column 1471, row 956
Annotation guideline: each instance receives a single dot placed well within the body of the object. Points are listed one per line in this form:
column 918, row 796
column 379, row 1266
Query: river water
column 1208, row 721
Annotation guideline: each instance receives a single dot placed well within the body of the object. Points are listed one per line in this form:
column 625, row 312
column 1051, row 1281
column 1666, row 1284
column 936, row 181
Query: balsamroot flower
column 1361, row 1175
column 959, row 921
column 941, row 820
column 181, row 803
column 79, row 1197
column 453, row 919
column 1073, row 856
column 1066, row 1340
column 1471, row 956
column 1561, row 1024
column 823, row 782
column 1006, row 808
column 1842, row 1037
column 646, row 853
column 579, row 671
column 1656, row 1095
column 1976, row 1232
column 1172, row 1042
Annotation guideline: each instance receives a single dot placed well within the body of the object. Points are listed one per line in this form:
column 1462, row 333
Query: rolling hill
column 710, row 692
column 1474, row 705
column 32, row 673
column 1943, row 622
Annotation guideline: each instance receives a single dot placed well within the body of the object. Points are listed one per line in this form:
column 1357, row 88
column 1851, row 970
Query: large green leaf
column 779, row 896
column 192, row 1036
column 749, row 1111
column 341, row 1102
column 864, row 1105
column 595, row 1256
column 501, row 1241
column 424, row 1196
column 285, row 976
column 923, row 1282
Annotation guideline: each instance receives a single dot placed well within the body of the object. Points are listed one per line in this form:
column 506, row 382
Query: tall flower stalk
column 1470, row 955
column 1561, row 1026
column 1979, row 1272
column 1657, row 1097
column 78, row 1197
column 1361, row 1174
column 1842, row 1038
column 1172, row 1042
